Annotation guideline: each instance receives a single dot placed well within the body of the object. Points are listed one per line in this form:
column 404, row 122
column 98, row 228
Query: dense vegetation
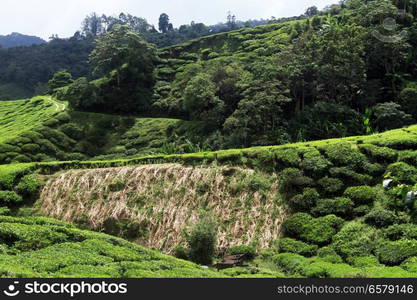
column 341, row 206
column 37, row 130
column 333, row 188
column 17, row 40
column 325, row 76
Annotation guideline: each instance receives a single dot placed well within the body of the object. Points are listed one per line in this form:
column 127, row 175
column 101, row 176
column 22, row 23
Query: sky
column 63, row 17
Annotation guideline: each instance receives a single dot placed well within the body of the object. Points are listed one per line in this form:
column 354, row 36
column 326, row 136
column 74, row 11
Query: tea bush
column 360, row 194
column 394, row 253
column 288, row 245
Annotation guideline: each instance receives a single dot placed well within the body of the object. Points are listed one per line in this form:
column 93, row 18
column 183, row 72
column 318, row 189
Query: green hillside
column 20, row 116
column 291, row 143
column 42, row 129
column 342, row 223
column 39, row 247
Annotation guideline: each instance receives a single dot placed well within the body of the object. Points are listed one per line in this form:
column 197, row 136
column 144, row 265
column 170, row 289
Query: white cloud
column 63, row 17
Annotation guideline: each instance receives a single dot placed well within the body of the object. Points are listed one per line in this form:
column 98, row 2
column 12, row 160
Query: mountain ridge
column 16, row 39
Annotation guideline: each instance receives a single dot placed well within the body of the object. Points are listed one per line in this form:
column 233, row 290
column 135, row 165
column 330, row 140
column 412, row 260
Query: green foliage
column 381, row 218
column 330, row 186
column 29, row 186
column 341, row 207
column 363, row 261
column 249, row 251
column 312, row 230
column 202, row 240
column 355, row 240
column 360, row 194
column 326, row 120
column 394, row 253
column 39, row 247
column 343, row 154
column 292, row 263
column 59, row 80
column 288, row 245
column 400, row 231
column 314, row 163
column 9, row 198
column 182, row 252
column 402, row 172
column 287, row 158
column 389, row 116
column 293, row 181
column 304, row 201
column 379, row 154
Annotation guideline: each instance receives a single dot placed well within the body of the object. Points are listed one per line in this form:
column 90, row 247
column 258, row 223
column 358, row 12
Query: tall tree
column 164, row 23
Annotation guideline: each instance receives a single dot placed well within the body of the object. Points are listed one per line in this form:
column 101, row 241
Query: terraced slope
column 38, row 247
column 155, row 204
column 17, row 117
column 38, row 130
column 45, row 248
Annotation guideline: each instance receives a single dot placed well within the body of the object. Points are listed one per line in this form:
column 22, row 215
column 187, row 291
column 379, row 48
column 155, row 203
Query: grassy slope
column 37, row 130
column 396, row 145
column 378, row 153
column 38, row 247
column 19, row 116
column 246, row 44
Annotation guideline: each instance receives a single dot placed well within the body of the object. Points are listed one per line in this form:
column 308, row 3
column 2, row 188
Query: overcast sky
column 63, row 17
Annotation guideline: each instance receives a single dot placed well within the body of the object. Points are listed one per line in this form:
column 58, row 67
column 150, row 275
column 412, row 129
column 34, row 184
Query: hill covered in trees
column 17, row 40
column 27, row 70
column 289, row 142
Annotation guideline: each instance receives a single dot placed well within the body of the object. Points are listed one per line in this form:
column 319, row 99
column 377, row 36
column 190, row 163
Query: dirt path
column 58, row 106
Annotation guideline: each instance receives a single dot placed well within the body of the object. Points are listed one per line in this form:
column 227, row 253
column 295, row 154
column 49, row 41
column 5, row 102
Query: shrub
column 9, row 198
column 409, row 157
column 291, row 263
column 288, row 245
column 314, row 163
column 22, row 159
column 361, row 210
column 29, row 185
column 34, row 136
column 323, row 269
column 354, row 239
column 306, row 200
column 4, row 148
column 249, row 251
column 117, row 185
column 394, row 253
column 338, row 206
column 293, row 181
column 343, row 154
column 312, row 230
column 72, row 130
column 287, row 158
column 400, row 231
column 402, row 172
column 350, row 177
column 363, row 261
column 4, row 211
column 326, row 120
column 202, row 240
column 390, row 116
column 381, row 218
column 257, row 182
column 410, row 264
column 31, row 148
column 379, row 154
column 182, row 252
column 330, row 186
column 360, row 194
